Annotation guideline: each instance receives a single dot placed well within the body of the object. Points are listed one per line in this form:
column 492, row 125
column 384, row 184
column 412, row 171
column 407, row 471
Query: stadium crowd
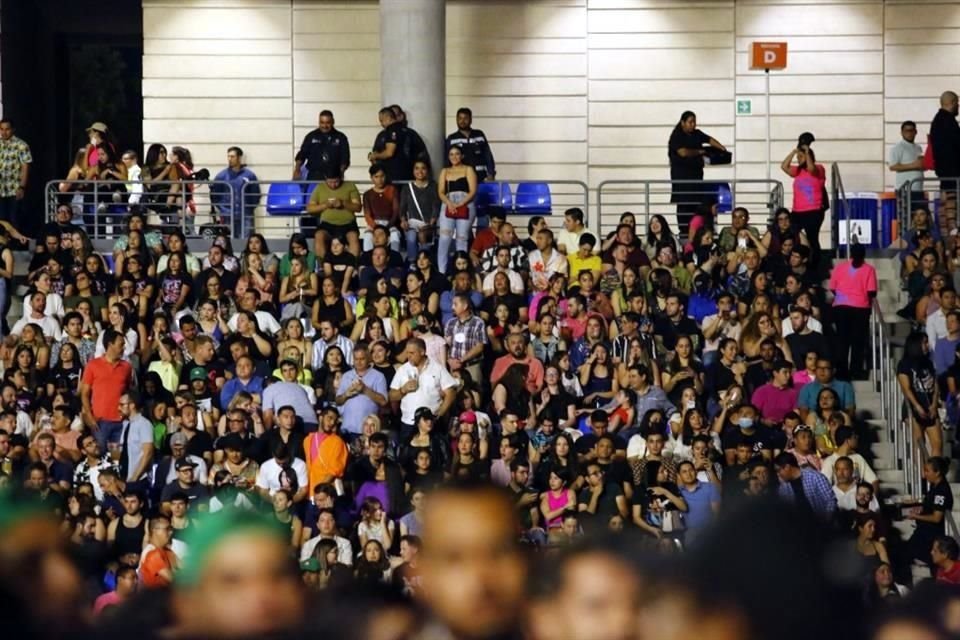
column 557, row 435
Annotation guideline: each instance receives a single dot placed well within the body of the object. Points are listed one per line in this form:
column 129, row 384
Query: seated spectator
column 847, row 441
column 568, row 240
column 778, row 397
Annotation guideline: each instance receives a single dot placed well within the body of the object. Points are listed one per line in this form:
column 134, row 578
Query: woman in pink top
column 854, row 285
column 809, row 201
column 558, row 499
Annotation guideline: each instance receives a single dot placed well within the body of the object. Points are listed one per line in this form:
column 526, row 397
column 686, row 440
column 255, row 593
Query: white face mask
column 93, row 140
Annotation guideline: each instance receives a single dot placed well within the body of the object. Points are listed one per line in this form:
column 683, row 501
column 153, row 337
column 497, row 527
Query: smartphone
column 741, row 243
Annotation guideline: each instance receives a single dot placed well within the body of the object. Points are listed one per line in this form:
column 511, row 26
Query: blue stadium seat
column 724, row 199
column 285, row 198
column 494, row 194
column 532, row 198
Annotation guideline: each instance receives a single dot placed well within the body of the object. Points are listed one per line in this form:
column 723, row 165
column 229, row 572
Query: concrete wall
column 566, row 89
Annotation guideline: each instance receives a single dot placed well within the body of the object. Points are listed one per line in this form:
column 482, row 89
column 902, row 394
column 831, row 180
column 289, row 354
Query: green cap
column 210, row 531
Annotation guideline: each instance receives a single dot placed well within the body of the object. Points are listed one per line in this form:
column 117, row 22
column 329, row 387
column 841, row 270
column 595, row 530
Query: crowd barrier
column 196, row 207
column 645, row 198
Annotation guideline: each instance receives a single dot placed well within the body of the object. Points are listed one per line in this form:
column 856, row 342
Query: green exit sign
column 744, row 107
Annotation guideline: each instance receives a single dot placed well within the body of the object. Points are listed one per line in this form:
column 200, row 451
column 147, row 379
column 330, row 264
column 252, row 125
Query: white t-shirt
column 861, row 470
column 344, row 550
column 269, row 475
column 48, row 325
column 266, row 322
column 904, row 153
column 433, row 380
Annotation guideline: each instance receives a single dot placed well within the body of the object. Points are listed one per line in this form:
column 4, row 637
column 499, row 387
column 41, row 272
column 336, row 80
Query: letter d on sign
column 768, row 55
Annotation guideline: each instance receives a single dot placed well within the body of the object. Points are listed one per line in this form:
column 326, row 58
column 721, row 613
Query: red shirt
column 107, row 383
column 483, row 240
column 951, row 576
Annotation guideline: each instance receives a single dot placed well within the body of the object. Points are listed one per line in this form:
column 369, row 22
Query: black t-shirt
column 586, row 443
column 617, row 472
column 338, row 265
column 65, row 231
column 322, row 151
column 198, row 445
column 40, row 259
column 228, row 281
column 937, row 498
column 668, row 331
column 394, row 259
column 523, row 513
column 755, row 377
column 762, row 439
column 395, row 166
column 923, row 379
column 606, row 506
column 800, row 344
column 512, row 300
column 718, row 377
column 691, row 167
column 196, row 492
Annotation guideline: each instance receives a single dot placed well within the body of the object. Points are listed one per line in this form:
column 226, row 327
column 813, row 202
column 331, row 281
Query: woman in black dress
column 686, row 153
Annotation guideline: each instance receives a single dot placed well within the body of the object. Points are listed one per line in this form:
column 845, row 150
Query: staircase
column 889, row 438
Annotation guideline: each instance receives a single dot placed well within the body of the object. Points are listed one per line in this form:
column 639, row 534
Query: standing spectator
column 387, row 149
column 457, row 187
column 918, row 380
column 239, row 210
column 137, row 454
column 685, row 151
column 466, row 336
column 421, row 382
column 15, row 160
column 474, row 144
column 809, row 196
column 945, row 138
column 104, row 380
column 362, row 392
column 906, row 160
column 854, row 286
column 806, row 488
column 325, row 151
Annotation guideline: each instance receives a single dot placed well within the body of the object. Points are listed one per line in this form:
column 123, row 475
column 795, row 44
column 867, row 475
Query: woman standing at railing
column 809, row 197
column 918, row 380
column 686, row 152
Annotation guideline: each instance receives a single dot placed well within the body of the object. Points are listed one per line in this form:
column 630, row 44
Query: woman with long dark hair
column 918, row 380
column 809, row 196
column 685, row 151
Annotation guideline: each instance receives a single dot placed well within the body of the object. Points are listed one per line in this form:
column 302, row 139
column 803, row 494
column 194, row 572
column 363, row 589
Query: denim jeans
column 446, row 229
column 108, row 431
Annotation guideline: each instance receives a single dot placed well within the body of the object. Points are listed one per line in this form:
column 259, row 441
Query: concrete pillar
column 413, row 66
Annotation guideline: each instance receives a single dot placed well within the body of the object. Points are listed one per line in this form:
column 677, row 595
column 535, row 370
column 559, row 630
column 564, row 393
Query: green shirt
column 346, row 192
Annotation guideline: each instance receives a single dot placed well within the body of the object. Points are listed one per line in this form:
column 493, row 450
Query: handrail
column 938, row 187
column 839, row 199
column 104, row 203
column 648, row 197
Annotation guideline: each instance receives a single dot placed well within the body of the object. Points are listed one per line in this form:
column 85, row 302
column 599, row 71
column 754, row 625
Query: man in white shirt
column 937, row 321
column 420, row 382
column 37, row 315
column 847, row 440
column 327, row 528
column 568, row 239
column 906, row 160
column 271, row 478
column 265, row 321
column 850, row 493
column 503, row 262
column 133, row 176
column 545, row 261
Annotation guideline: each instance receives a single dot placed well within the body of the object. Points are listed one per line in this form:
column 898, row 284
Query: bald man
column 945, row 138
column 473, row 562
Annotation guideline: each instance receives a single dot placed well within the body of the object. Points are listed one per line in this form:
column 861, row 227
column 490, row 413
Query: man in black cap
column 185, row 483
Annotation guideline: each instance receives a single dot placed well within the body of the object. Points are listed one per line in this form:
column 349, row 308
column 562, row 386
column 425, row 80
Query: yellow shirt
column 578, row 264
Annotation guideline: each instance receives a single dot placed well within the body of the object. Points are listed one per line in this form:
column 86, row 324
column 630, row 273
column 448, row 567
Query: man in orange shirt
column 325, row 451
column 104, row 380
column 159, row 563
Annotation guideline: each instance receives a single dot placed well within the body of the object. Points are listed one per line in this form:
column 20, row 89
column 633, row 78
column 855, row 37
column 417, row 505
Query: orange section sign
column 768, row 55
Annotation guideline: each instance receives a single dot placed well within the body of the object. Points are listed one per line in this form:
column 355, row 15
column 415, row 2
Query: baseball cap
column 184, row 463
column 98, row 126
column 468, row 416
column 801, row 427
column 311, row 565
column 198, row 373
column 178, row 439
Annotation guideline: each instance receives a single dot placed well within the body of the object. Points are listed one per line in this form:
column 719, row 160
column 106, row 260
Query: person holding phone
column 809, row 196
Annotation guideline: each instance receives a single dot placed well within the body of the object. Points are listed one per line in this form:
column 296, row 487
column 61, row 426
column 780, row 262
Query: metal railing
column 645, row 198
column 838, row 204
column 564, row 194
column 939, row 195
column 195, row 207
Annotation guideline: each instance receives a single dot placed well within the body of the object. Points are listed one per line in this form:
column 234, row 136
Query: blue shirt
column 355, row 410
column 944, row 354
column 817, row 490
column 234, row 385
column 699, row 504
column 218, row 192
column 446, row 304
column 810, row 391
